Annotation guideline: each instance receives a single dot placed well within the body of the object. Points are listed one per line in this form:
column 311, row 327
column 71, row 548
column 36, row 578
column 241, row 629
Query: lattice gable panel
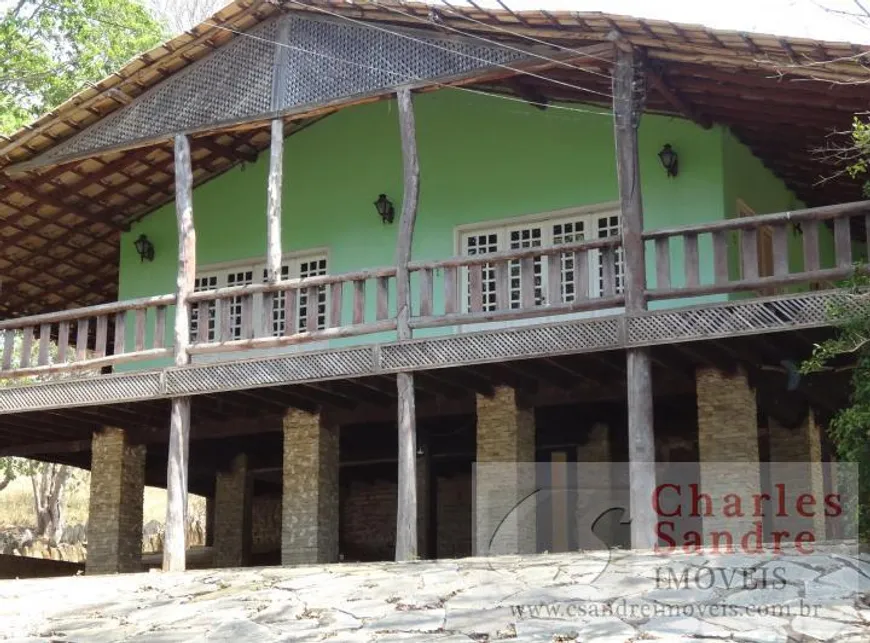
column 234, row 82
column 322, row 60
column 327, row 59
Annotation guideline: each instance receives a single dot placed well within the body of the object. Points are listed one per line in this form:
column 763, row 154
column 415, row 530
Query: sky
column 800, row 18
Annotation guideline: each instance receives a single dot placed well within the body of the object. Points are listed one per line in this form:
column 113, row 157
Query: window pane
column 279, row 323
column 531, row 237
column 237, row 278
column 312, row 268
column 204, row 282
column 568, row 232
column 608, row 226
column 479, row 244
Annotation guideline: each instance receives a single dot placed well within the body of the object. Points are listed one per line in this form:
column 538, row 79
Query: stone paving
column 623, row 597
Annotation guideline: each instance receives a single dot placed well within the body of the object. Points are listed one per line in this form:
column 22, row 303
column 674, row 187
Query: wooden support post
column 626, row 114
column 406, row 514
column 179, row 427
column 273, row 230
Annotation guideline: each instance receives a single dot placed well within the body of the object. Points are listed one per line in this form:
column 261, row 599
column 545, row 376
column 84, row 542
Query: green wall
column 480, row 159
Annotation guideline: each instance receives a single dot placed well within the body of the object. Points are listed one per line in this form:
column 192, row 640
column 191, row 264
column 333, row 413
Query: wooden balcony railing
column 85, row 339
column 760, row 254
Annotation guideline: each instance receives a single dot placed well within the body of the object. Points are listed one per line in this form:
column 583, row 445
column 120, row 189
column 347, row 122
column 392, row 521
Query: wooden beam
column 406, row 514
column 63, row 206
column 658, row 83
column 174, row 549
column 641, row 445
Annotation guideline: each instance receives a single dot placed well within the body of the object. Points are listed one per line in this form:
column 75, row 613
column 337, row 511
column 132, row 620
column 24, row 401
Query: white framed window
column 569, row 226
column 242, row 274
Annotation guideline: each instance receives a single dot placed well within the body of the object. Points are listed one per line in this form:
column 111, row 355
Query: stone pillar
column 596, row 494
column 504, row 511
column 231, row 504
column 309, row 518
column 796, row 472
column 115, row 514
column 728, row 448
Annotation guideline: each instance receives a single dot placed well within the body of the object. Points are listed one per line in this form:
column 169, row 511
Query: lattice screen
column 323, row 60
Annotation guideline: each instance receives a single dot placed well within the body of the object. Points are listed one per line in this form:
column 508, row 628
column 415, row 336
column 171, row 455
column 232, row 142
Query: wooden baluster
column 359, row 301
column 336, row 294
column 82, row 339
column 160, row 327
column 312, row 305
column 811, row 246
column 527, row 282
column 224, row 321
column 383, row 298
column 843, row 242
column 139, row 329
column 44, row 339
column 247, row 330
column 291, row 312
column 501, row 271
column 201, row 323
column 720, row 258
column 427, row 292
column 581, row 275
column 749, row 253
column 62, row 341
column 451, row 290
column 102, row 336
column 26, row 346
column 120, row 331
column 663, row 262
column 780, row 250
column 608, row 270
column 267, row 308
column 475, row 286
column 692, row 267
column 554, row 280
column 8, row 349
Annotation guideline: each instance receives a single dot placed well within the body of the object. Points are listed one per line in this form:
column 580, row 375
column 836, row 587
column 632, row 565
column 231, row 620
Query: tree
column 181, row 15
column 49, row 50
column 850, row 428
column 49, row 480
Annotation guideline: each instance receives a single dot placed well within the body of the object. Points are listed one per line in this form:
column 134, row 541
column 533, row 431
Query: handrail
column 99, row 310
column 299, row 283
column 742, row 223
column 512, row 255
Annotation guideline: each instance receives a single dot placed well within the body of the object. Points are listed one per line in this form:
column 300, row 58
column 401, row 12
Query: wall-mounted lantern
column 670, row 160
column 145, row 248
column 385, row 209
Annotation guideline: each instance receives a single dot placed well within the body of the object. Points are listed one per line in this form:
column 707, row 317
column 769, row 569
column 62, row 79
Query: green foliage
column 850, row 428
column 51, row 49
column 860, row 152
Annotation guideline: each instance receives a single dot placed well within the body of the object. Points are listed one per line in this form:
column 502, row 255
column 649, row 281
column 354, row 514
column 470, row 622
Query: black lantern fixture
column 670, row 160
column 145, row 248
column 385, row 209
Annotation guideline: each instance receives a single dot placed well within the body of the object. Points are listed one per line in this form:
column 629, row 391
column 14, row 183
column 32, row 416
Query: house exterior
column 550, row 292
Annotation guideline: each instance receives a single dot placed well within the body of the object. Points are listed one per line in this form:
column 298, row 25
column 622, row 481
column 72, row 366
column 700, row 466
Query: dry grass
column 16, row 503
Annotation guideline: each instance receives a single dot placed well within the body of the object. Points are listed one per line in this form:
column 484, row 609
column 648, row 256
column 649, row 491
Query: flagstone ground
column 618, row 598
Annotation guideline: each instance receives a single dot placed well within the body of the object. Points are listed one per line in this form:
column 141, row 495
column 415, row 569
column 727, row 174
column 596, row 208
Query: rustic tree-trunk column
column 406, row 514
column 273, row 215
column 627, row 111
column 179, row 430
